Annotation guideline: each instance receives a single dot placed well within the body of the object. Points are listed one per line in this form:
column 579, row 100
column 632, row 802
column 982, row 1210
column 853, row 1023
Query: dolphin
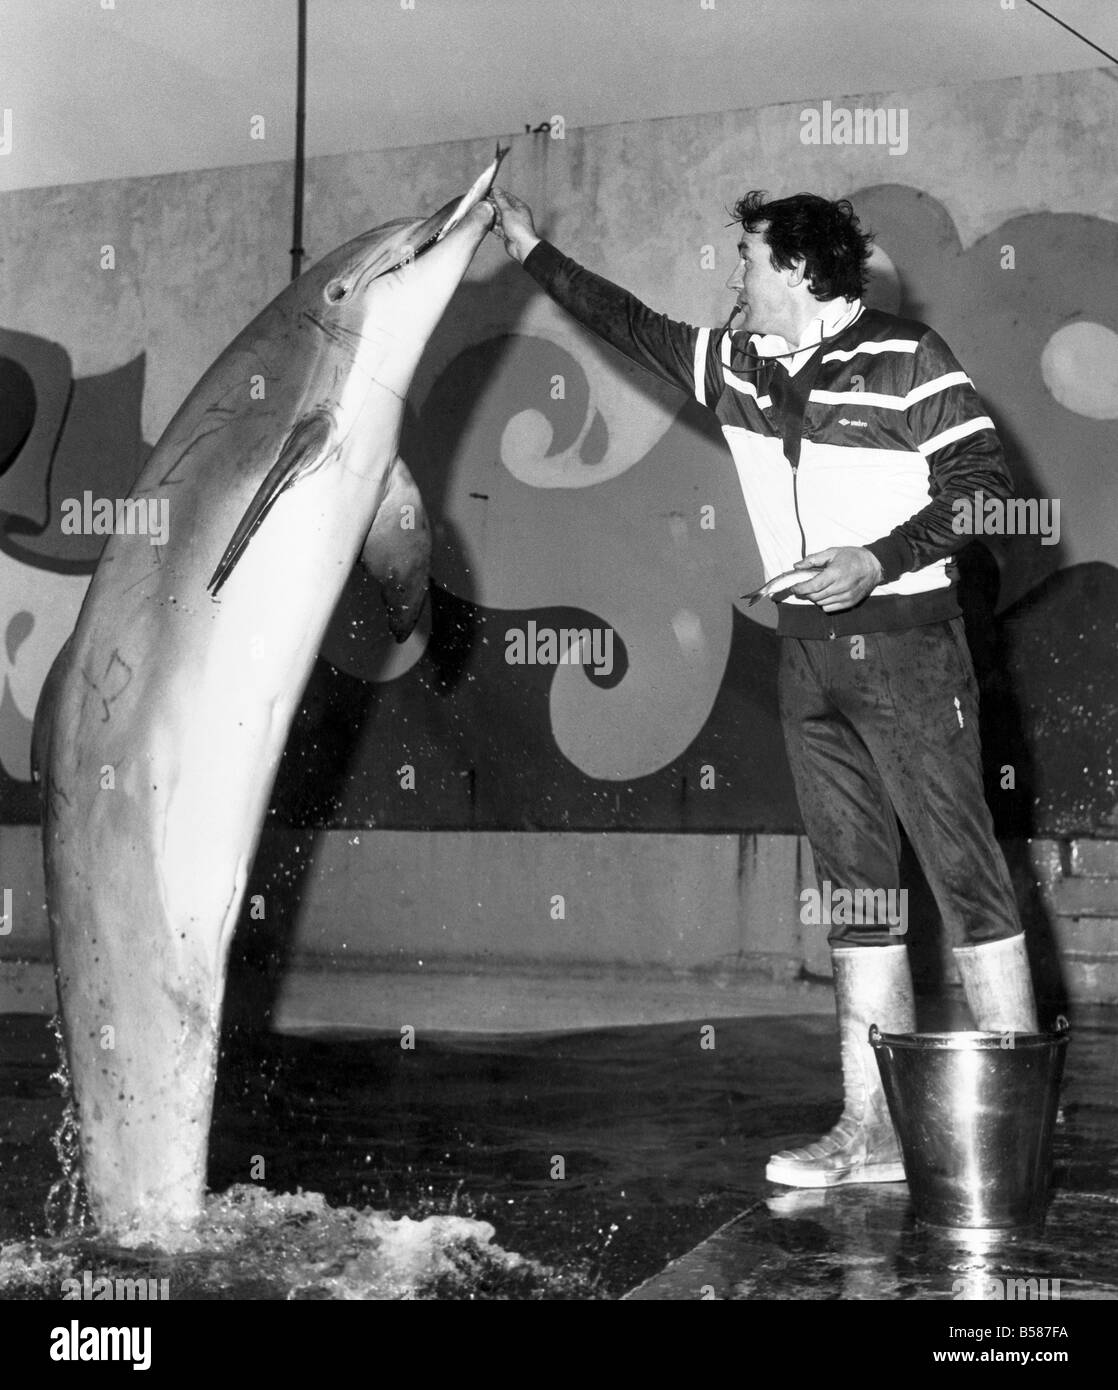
column 161, row 724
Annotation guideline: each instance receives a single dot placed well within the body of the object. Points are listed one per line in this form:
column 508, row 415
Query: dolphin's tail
column 397, row 551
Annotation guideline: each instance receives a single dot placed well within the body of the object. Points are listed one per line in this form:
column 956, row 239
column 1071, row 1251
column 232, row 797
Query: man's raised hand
column 514, row 223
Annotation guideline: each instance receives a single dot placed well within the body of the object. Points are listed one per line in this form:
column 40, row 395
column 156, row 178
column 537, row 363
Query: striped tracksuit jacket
column 868, row 444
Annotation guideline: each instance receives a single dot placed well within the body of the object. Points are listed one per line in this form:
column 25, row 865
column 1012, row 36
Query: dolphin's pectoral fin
column 307, row 444
column 397, row 551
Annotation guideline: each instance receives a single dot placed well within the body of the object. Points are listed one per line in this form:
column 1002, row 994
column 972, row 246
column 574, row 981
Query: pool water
column 594, row 1157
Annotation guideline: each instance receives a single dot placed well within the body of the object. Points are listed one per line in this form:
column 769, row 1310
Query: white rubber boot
column 998, row 985
column 873, row 984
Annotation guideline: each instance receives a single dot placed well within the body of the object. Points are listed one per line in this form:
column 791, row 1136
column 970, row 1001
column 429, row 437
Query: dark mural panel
column 479, row 742
column 1053, row 711
column 477, row 732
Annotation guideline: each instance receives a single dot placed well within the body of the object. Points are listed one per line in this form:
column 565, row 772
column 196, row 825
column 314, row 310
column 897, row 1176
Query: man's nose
column 735, row 281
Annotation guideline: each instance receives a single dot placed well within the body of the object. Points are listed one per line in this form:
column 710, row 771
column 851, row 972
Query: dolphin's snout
column 453, row 214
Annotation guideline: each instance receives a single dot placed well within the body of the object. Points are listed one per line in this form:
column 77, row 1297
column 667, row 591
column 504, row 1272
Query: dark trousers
column 886, row 725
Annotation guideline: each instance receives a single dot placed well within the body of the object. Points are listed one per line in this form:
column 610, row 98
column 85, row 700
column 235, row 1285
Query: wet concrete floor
column 866, row 1243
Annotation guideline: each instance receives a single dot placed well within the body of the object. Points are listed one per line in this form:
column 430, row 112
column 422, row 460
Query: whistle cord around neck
column 777, row 356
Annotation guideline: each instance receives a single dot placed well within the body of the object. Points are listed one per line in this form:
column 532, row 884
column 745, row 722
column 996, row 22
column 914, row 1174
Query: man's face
column 763, row 291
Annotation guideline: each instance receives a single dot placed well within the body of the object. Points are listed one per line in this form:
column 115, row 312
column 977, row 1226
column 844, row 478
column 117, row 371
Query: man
column 853, row 432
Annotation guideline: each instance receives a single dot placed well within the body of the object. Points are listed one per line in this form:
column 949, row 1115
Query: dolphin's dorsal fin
column 308, row 442
column 397, row 551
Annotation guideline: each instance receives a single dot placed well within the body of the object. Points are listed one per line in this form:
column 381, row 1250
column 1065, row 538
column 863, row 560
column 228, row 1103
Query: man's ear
column 796, row 273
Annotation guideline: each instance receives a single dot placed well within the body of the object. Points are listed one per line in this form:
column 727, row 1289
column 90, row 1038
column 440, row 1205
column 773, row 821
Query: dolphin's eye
column 336, row 292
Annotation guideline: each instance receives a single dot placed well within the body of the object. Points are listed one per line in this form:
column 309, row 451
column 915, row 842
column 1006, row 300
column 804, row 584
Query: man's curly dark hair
column 825, row 234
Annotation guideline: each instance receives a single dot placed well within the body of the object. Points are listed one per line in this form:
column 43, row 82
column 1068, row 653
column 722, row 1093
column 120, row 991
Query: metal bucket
column 974, row 1113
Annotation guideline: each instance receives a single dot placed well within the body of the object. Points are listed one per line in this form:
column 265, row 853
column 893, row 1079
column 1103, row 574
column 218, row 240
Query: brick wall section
column 1078, row 884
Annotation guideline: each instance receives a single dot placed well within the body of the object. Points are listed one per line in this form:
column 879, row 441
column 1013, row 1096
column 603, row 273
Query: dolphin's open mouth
column 438, row 226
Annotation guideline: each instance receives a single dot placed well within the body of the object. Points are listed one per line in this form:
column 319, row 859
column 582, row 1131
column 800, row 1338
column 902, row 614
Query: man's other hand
column 849, row 573
column 514, row 223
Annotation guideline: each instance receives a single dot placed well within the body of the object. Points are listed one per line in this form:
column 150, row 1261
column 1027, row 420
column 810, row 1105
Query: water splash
column 65, row 1208
column 254, row 1244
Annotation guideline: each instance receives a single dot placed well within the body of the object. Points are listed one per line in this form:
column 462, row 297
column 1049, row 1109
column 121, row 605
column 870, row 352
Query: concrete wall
column 416, row 899
column 486, row 931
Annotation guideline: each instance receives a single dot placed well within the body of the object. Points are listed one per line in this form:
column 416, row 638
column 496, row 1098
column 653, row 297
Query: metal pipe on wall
column 297, row 252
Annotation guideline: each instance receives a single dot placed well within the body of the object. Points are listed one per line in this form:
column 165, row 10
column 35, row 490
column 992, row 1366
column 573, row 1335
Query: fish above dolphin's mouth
column 441, row 223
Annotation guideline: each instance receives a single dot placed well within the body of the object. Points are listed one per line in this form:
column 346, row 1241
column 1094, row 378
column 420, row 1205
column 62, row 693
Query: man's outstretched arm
column 675, row 352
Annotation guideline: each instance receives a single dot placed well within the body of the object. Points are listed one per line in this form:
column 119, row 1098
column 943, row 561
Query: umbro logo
column 859, row 424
